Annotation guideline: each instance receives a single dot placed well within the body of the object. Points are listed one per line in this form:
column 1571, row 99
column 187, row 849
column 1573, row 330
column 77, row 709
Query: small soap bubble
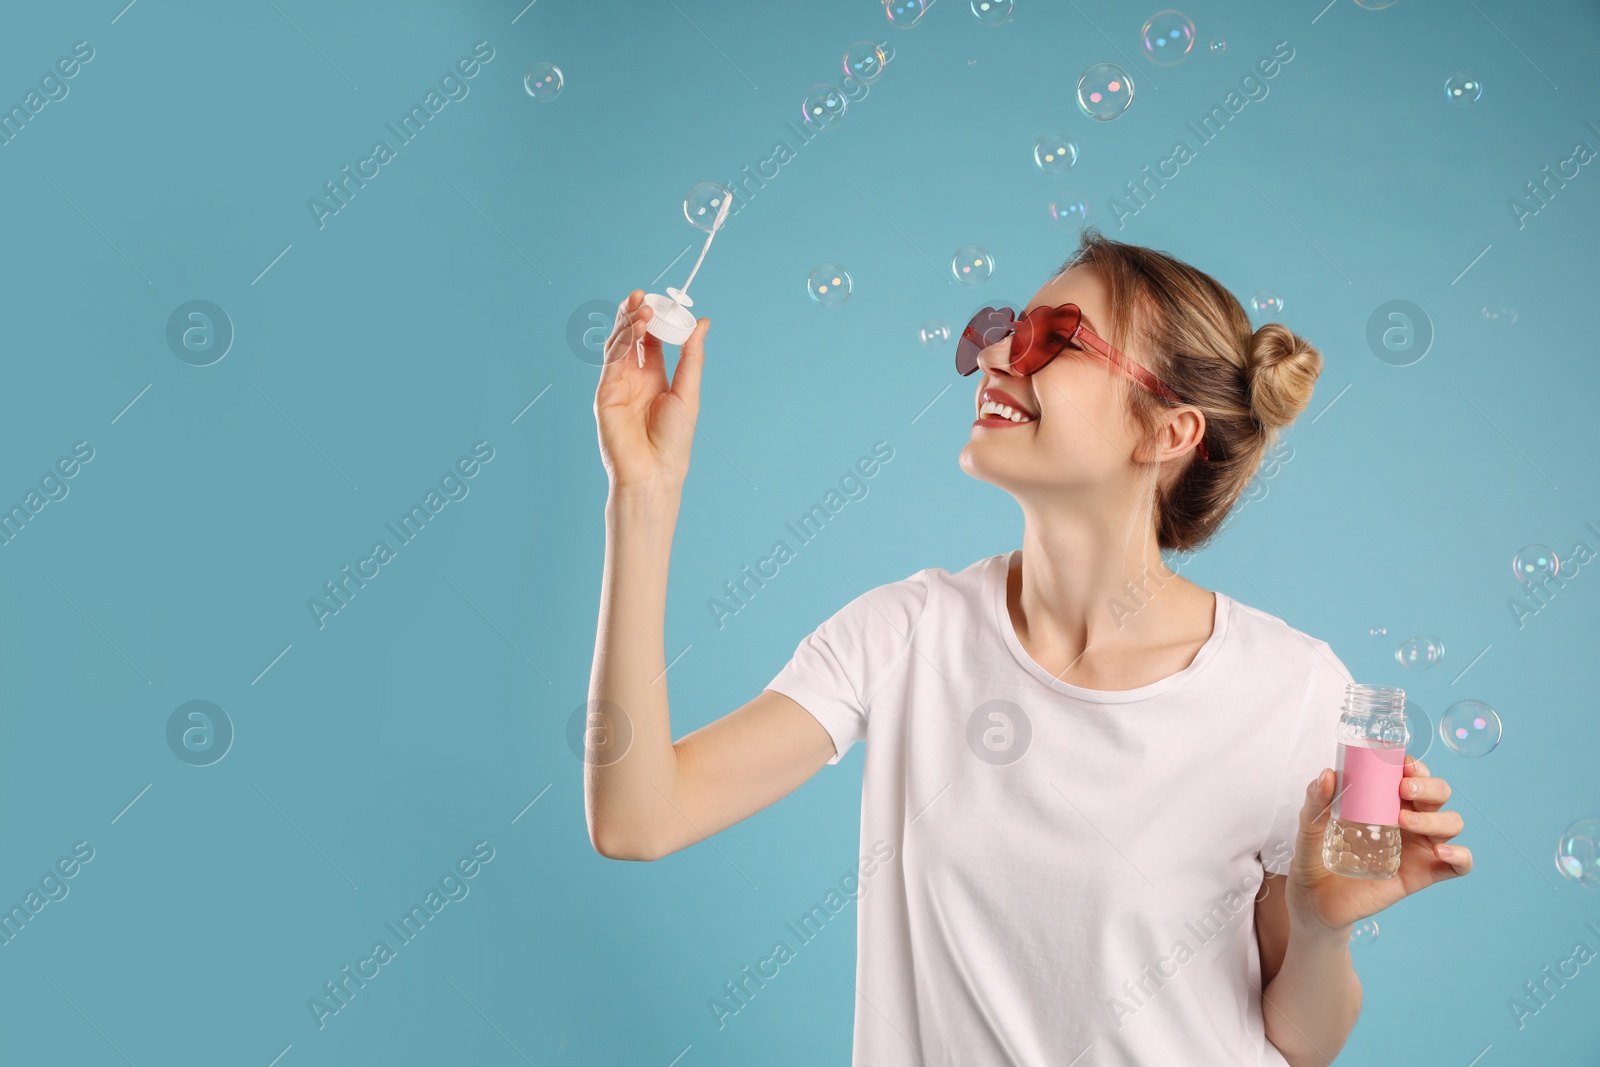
column 1167, row 37
column 1266, row 302
column 828, row 284
column 1364, row 932
column 992, row 12
column 933, row 333
column 1377, row 631
column 972, row 264
column 1055, row 153
column 543, row 82
column 1104, row 91
column 1499, row 316
column 1535, row 563
column 1069, row 211
column 865, row 60
column 1578, row 853
column 1419, row 728
column 905, row 13
column 824, row 105
column 701, row 204
column 1463, row 89
column 1419, row 653
column 1470, row 728
column 1218, row 44
column 1375, row 5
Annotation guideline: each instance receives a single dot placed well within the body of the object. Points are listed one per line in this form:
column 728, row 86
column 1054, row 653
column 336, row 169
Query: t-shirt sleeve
column 1313, row 745
column 843, row 664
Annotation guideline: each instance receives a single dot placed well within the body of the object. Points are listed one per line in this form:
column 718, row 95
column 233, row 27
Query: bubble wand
column 672, row 321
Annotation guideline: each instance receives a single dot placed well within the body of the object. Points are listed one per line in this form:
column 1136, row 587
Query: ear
column 1181, row 434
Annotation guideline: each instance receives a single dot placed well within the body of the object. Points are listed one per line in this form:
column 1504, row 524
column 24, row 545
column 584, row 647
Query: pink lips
column 1000, row 396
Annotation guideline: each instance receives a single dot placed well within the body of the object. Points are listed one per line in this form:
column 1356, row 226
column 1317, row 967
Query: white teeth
column 991, row 407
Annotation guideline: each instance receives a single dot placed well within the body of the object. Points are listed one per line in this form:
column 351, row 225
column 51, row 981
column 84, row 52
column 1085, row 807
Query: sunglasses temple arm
column 1144, row 377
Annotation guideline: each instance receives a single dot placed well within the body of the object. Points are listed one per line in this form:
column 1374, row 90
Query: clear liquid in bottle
column 1362, row 839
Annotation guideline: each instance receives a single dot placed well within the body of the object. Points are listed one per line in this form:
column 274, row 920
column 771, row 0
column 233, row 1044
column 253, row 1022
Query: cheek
column 1085, row 407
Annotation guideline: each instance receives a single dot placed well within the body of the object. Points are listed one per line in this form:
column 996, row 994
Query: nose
column 996, row 358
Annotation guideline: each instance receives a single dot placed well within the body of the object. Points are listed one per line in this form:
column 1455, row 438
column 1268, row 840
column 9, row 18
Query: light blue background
column 429, row 312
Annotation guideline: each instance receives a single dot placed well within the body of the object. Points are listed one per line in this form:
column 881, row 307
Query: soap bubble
column 1420, row 653
column 1535, row 563
column 933, row 333
column 1377, row 631
column 824, row 105
column 1218, row 44
column 1068, row 210
column 1364, row 932
column 1578, row 853
column 972, row 264
column 1375, row 5
column 1499, row 316
column 1054, row 153
column 1266, row 302
column 1167, row 37
column 1104, row 91
column 865, row 60
column 828, row 284
column 1463, row 89
column 1420, row 728
column 905, row 13
column 543, row 82
column 1470, row 728
column 992, row 12
column 701, row 204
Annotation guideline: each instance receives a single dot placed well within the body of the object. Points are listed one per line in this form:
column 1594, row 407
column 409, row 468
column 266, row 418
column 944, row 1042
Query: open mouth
column 1004, row 411
column 997, row 407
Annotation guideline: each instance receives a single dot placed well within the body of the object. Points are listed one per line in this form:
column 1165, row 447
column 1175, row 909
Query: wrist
column 647, row 500
column 1309, row 932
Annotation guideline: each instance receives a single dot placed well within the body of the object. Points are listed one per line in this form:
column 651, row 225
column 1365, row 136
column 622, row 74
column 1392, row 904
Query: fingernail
column 1445, row 852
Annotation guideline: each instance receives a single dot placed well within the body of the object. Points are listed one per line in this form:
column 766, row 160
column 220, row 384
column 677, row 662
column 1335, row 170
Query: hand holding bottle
column 1330, row 901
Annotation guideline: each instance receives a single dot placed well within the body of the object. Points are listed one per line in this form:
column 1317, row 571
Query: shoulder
column 901, row 604
column 1267, row 639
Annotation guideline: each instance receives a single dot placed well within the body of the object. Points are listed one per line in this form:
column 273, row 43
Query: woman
column 1101, row 788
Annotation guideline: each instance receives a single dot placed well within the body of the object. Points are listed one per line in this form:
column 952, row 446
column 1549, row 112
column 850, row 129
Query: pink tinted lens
column 988, row 327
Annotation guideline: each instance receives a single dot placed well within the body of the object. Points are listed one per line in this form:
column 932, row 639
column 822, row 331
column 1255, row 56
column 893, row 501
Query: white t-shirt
column 1074, row 870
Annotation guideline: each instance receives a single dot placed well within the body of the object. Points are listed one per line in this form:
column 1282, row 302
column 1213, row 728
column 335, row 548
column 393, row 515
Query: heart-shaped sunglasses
column 1040, row 336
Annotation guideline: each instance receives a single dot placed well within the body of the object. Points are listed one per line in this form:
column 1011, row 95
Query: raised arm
column 645, row 796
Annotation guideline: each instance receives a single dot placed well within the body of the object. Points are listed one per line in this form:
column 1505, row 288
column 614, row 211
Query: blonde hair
column 1194, row 336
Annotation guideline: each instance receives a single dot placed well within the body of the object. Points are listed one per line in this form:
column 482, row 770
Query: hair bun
column 1282, row 369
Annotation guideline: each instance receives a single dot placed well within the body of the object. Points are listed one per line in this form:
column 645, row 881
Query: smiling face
column 1076, row 429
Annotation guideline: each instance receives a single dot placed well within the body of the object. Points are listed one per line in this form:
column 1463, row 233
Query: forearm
column 1311, row 1004
column 624, row 798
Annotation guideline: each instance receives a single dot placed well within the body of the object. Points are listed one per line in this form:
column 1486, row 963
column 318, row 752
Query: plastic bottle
column 1362, row 839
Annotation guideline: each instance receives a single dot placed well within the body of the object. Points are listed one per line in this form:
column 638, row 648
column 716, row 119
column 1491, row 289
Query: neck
column 1095, row 578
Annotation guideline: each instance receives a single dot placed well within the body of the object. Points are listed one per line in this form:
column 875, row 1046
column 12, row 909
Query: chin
column 1015, row 474
column 968, row 464
column 973, row 462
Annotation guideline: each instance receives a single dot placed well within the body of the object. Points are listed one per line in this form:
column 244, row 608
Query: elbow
column 614, row 846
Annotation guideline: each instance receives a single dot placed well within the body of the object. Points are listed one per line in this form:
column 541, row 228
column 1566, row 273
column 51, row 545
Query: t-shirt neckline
column 1001, row 566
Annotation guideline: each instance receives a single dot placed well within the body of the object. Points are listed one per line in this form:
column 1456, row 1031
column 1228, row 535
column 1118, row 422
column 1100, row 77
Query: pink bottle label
column 1369, row 784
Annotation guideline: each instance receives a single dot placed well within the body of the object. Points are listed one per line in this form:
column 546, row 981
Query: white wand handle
column 716, row 225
